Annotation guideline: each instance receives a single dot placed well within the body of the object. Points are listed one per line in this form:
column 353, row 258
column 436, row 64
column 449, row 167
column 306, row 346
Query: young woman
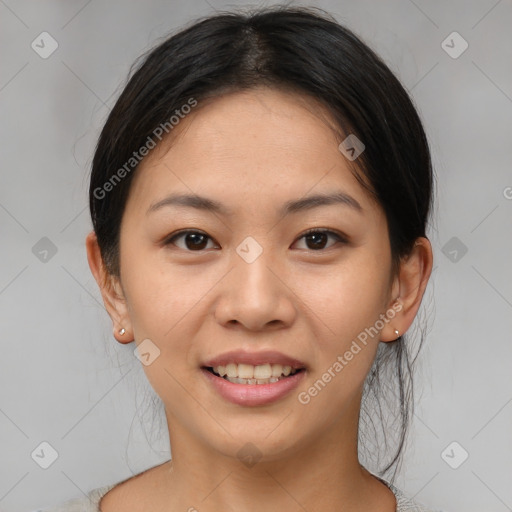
column 260, row 196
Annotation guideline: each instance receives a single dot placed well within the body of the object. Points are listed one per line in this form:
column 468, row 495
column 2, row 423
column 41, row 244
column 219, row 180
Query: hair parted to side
column 301, row 50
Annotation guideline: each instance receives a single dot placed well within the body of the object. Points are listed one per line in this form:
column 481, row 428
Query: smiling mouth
column 231, row 374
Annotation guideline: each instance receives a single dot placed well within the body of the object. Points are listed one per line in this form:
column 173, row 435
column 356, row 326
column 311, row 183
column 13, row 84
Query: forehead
column 257, row 143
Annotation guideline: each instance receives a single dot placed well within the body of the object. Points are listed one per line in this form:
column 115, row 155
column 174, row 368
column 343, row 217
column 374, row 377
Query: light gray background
column 66, row 381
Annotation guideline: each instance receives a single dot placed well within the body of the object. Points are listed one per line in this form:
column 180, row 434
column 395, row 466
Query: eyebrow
column 293, row 206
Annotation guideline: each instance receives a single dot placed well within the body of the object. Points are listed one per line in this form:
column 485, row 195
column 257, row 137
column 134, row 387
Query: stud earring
column 122, row 331
column 397, row 333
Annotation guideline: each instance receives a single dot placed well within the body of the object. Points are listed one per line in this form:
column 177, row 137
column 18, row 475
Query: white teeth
column 263, row 371
column 277, row 370
column 237, row 380
column 231, row 370
column 245, row 371
column 261, row 374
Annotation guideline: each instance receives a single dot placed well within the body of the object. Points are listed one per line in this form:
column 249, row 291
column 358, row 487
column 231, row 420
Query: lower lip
column 253, row 394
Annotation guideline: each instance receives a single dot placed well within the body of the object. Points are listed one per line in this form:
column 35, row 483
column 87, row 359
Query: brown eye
column 194, row 240
column 316, row 239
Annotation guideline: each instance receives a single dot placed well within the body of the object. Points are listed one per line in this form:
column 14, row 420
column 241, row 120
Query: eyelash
column 338, row 236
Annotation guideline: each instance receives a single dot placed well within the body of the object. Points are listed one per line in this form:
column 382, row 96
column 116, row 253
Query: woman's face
column 250, row 280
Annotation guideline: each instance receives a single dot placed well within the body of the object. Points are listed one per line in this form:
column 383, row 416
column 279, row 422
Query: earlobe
column 111, row 291
column 391, row 330
column 414, row 273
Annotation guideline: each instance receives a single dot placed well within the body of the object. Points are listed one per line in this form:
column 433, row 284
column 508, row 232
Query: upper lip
column 254, row 358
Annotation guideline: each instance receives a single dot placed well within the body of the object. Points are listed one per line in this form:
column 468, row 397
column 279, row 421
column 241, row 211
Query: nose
column 256, row 296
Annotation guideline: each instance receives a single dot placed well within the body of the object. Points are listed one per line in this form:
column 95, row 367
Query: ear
column 111, row 291
column 409, row 286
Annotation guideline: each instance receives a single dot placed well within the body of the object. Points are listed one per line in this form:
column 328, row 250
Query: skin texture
column 253, row 151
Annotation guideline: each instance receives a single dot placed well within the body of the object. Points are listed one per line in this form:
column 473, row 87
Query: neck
column 322, row 474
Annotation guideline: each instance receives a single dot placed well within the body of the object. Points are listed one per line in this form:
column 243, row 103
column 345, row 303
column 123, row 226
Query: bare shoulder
column 135, row 493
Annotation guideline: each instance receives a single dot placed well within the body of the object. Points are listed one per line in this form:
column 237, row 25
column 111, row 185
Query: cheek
column 160, row 302
column 157, row 293
column 346, row 305
column 161, row 305
column 168, row 304
column 344, row 299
